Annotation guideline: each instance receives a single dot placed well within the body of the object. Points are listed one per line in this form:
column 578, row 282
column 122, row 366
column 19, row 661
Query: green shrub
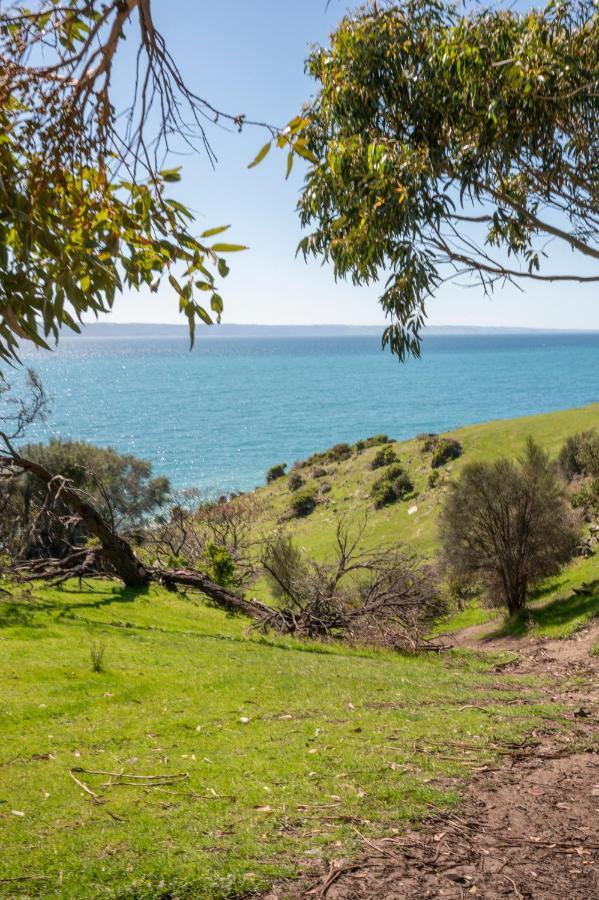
column 377, row 439
column 221, row 565
column 576, row 456
column 304, row 501
column 339, row 452
column 394, row 485
column 360, row 446
column 319, row 472
column 433, row 478
column 383, row 457
column 445, row 450
column 275, row 472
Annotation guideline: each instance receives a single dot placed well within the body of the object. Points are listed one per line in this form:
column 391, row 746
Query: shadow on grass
column 582, row 604
column 20, row 611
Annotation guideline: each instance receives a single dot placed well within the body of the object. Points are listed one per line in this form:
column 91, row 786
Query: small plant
column 360, row 447
column 96, row 652
column 377, row 439
column 433, row 478
column 221, row 566
column 319, row 472
column 295, row 481
column 275, row 472
column 304, row 501
column 386, row 456
column 429, row 440
column 445, row 450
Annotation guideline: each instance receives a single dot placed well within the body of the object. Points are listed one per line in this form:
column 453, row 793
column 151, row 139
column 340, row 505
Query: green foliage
column 360, row 446
column 433, row 478
column 395, row 484
column 275, row 472
column 120, row 485
column 445, row 450
column 377, row 439
column 304, row 501
column 85, row 212
column 334, row 454
column 383, row 457
column 426, row 118
column 507, row 526
column 221, row 566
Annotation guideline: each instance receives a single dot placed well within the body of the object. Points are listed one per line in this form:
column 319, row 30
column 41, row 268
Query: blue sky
column 249, row 57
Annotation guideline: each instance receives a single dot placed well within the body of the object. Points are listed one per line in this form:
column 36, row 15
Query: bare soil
column 528, row 829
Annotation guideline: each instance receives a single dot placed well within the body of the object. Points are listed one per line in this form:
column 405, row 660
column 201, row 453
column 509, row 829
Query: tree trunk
column 119, row 555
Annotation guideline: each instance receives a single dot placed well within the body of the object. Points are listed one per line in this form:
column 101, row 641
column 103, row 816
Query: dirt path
column 529, row 829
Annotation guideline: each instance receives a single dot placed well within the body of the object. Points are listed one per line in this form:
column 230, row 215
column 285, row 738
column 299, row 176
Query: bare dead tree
column 386, row 598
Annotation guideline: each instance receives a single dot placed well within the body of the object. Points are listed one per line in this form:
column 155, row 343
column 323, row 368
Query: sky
column 248, row 57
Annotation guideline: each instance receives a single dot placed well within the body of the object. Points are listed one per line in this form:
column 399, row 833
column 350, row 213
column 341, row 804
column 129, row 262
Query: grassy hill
column 252, row 756
column 351, row 481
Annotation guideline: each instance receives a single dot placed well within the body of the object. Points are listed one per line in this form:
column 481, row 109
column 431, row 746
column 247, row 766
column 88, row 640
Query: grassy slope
column 351, row 481
column 337, row 739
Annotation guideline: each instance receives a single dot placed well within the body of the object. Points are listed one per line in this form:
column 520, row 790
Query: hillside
column 208, row 760
column 413, row 522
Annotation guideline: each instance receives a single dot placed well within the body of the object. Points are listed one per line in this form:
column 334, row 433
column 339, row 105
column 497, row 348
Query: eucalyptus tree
column 85, row 210
column 454, row 145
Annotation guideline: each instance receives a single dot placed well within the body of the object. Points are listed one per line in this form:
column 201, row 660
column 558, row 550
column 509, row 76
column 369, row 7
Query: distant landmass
column 149, row 330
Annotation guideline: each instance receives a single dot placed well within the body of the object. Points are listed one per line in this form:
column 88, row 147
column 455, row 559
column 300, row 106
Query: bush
column 508, row 526
column 319, row 472
column 446, row 449
column 383, row 457
column 304, row 501
column 433, row 478
column 579, row 463
column 295, row 481
column 339, row 452
column 377, row 439
column 429, row 440
column 275, row 472
column 360, row 446
column 394, row 485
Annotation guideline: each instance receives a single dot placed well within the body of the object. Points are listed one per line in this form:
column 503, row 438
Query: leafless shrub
column 385, row 598
column 184, row 537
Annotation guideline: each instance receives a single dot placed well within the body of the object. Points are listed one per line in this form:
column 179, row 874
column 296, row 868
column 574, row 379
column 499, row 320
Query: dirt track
column 529, row 829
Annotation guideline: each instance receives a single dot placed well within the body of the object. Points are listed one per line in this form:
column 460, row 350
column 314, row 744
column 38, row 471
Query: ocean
column 218, row 417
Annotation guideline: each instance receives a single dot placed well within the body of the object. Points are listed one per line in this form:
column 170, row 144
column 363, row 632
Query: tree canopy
column 84, row 204
column 452, row 145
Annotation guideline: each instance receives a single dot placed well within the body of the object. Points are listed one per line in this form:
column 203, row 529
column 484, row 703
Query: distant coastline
column 151, row 330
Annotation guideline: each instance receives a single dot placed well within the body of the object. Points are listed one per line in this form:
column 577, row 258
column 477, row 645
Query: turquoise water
column 217, row 418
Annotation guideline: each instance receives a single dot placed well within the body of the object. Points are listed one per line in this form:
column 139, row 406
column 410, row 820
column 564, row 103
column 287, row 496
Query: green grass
column 337, row 739
column 472, row 614
column 289, row 747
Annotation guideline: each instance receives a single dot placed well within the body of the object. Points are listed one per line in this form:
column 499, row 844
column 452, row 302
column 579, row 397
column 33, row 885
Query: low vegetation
column 267, row 751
